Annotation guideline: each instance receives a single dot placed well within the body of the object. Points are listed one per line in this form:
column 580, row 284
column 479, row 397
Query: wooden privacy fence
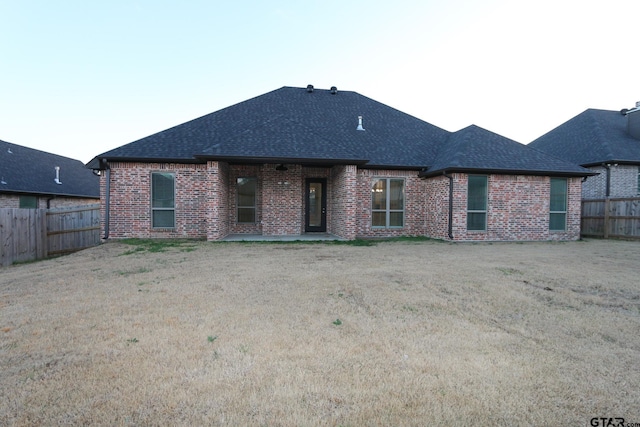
column 612, row 217
column 29, row 234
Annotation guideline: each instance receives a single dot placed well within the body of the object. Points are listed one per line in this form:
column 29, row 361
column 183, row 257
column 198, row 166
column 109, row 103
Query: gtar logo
column 607, row 422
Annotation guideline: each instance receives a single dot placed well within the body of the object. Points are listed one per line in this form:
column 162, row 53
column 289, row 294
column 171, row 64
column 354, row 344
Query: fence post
column 42, row 235
column 607, row 217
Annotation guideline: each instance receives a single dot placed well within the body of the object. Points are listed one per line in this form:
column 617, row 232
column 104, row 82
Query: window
column 477, row 203
column 558, row 205
column 387, row 203
column 247, row 199
column 28, row 202
column 163, row 203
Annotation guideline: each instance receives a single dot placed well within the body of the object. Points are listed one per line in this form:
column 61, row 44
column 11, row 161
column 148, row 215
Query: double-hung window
column 387, row 203
column 477, row 203
column 246, row 199
column 558, row 205
column 163, row 202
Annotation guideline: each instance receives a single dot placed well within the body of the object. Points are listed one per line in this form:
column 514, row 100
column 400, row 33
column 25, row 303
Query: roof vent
column 310, row 88
column 334, row 90
column 57, row 180
column 359, row 123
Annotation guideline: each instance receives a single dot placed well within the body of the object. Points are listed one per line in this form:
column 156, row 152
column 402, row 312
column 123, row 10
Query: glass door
column 316, row 205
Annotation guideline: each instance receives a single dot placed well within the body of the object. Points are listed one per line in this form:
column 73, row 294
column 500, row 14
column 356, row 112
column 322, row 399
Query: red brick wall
column 343, row 206
column 437, row 207
column 282, row 201
column 518, row 206
column 517, row 209
column 130, row 200
column 216, row 187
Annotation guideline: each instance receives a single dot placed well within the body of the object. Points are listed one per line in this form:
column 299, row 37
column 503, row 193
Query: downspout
column 450, row 231
column 608, row 189
column 49, row 199
column 107, row 199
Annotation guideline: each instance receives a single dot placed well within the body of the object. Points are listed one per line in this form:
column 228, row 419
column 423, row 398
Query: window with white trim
column 163, row 202
column 387, row 203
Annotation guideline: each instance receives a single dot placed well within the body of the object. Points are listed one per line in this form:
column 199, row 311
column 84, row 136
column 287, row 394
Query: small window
column 477, row 203
column 558, row 205
column 163, row 203
column 247, row 200
column 387, row 203
column 28, row 202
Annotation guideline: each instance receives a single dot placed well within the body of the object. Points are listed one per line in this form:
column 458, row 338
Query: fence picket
column 613, row 217
column 29, row 234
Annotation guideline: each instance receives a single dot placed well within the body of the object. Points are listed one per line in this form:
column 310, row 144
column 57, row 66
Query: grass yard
column 305, row 334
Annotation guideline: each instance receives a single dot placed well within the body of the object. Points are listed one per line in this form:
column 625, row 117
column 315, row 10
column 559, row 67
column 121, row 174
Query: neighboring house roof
column 591, row 138
column 312, row 126
column 27, row 171
column 474, row 149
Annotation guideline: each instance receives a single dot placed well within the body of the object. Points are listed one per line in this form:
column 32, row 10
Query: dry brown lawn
column 304, row 334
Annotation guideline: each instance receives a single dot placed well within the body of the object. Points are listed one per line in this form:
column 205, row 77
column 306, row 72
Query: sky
column 81, row 77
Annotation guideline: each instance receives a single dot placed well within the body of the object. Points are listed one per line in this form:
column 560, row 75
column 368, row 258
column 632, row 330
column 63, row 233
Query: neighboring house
column 303, row 160
column 606, row 142
column 35, row 179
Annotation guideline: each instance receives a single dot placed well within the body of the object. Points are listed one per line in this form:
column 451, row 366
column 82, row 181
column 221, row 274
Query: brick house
column 36, row 179
column 607, row 143
column 303, row 160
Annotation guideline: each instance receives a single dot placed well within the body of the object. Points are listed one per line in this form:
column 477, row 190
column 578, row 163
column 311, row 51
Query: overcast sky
column 80, row 77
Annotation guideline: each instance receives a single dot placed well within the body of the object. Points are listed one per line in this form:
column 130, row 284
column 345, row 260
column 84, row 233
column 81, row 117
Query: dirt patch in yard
column 398, row 333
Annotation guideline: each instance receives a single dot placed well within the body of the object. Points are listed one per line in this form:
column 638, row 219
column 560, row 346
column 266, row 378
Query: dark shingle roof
column 591, row 138
column 293, row 125
column 29, row 171
column 476, row 149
